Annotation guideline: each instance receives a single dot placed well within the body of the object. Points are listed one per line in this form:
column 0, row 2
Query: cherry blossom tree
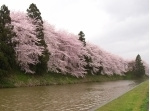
column 66, row 52
column 26, row 49
column 111, row 64
column 146, row 67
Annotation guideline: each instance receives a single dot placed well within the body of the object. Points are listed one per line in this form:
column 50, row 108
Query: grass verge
column 19, row 79
column 134, row 100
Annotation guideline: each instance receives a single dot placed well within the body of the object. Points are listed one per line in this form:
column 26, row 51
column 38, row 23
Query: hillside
column 67, row 54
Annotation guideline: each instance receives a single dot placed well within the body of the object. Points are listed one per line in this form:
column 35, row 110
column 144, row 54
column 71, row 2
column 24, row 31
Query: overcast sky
column 118, row 26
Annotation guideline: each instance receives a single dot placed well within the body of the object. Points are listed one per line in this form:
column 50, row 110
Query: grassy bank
column 18, row 79
column 134, row 100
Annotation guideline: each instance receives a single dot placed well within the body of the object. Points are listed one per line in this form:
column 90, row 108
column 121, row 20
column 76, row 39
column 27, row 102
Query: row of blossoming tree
column 33, row 45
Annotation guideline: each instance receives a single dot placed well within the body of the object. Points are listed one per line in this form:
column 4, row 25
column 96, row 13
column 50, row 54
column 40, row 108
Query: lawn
column 135, row 100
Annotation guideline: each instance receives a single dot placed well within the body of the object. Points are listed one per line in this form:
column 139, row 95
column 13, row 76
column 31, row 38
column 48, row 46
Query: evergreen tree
column 139, row 69
column 88, row 60
column 81, row 37
column 7, row 53
column 35, row 14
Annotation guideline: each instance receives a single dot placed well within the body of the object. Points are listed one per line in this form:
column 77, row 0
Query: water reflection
column 72, row 97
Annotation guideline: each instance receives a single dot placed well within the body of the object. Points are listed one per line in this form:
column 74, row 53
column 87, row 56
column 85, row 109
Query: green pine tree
column 34, row 13
column 7, row 53
column 81, row 37
column 88, row 60
column 139, row 69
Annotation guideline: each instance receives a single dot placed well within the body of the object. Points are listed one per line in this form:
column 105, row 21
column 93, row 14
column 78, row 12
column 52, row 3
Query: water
column 71, row 97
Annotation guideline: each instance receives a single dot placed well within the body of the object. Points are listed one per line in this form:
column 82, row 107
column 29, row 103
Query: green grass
column 18, row 79
column 134, row 100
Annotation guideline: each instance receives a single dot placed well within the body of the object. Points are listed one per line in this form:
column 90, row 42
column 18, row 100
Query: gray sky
column 118, row 26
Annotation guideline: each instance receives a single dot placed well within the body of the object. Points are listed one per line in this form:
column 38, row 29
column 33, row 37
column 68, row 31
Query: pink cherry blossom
column 66, row 51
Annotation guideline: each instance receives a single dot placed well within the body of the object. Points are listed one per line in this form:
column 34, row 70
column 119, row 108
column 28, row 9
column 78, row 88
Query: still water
column 71, row 97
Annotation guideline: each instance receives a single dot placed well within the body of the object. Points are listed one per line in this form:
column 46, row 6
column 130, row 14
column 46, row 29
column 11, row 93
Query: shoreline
column 141, row 103
column 19, row 79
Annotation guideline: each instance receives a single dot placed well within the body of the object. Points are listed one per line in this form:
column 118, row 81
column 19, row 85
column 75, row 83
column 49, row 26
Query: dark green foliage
column 35, row 14
column 81, row 37
column 4, row 65
column 42, row 66
column 88, row 60
column 89, row 68
column 100, row 70
column 7, row 53
column 139, row 69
